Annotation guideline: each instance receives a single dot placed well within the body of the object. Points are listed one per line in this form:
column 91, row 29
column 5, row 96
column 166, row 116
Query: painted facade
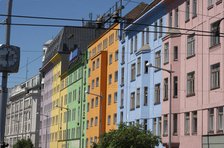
column 196, row 56
column 140, row 88
column 55, row 105
column 102, row 85
column 74, row 84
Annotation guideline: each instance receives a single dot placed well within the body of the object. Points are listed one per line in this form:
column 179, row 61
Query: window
column 145, row 96
column 131, row 46
column 158, row 59
column 194, row 122
column 97, row 82
column 143, row 38
column 175, row 53
column 170, row 19
column 175, row 124
column 157, row 94
column 190, row 45
column 109, row 99
column 166, row 53
column 93, row 65
column 105, row 43
column 194, row 8
column 115, row 76
column 96, row 102
column 175, row 86
column 220, row 118
column 159, row 127
column 108, row 120
column 89, row 72
column 122, row 98
column 121, row 117
column 133, row 72
column 115, row 97
column 190, row 84
column 165, row 125
column 160, row 27
column 136, row 43
column 110, row 59
column 138, row 98
column 215, row 76
column 154, row 126
column 87, row 107
column 215, row 29
column 187, row 124
column 115, row 119
column 165, row 89
column 176, row 21
column 145, row 124
column 91, row 122
column 146, row 67
column 97, row 63
column 155, row 31
column 132, row 103
column 123, row 55
column 92, row 103
column 111, row 39
column 210, row 3
column 110, row 79
column 93, row 84
column 187, row 11
column 96, row 121
column 147, row 35
column 122, row 76
column 99, row 47
column 139, row 66
column 211, row 120
column 116, row 55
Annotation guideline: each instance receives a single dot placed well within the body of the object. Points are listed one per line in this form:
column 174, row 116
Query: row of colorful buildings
column 159, row 66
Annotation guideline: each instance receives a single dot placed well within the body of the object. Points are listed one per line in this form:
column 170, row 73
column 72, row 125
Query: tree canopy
column 128, row 136
column 23, row 143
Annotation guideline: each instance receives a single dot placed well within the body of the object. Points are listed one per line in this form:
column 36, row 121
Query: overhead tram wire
column 80, row 20
column 131, row 30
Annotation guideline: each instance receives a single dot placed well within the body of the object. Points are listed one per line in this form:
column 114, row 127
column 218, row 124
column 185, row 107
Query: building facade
column 22, row 121
column 102, row 85
column 140, row 89
column 54, row 107
column 193, row 50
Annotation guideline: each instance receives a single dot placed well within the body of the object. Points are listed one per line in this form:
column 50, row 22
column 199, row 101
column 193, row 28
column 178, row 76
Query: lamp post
column 45, row 127
column 67, row 109
column 17, row 131
column 101, row 97
column 170, row 105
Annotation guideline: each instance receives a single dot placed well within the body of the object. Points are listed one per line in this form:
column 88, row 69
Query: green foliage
column 23, row 143
column 132, row 136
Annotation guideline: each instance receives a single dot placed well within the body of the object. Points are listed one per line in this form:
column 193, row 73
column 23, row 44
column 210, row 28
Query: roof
column 136, row 12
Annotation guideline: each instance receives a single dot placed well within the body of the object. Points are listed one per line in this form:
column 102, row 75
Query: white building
column 22, row 120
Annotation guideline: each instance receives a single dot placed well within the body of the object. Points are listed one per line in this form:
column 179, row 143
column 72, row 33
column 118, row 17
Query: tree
column 132, row 136
column 23, row 143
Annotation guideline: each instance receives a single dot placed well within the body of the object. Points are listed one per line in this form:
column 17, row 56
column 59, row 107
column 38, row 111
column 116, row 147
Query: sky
column 31, row 39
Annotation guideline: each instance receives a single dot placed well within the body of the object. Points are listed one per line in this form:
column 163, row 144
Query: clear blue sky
column 31, row 39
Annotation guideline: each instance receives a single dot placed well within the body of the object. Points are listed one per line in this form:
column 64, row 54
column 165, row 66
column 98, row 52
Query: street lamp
column 218, row 27
column 170, row 72
column 45, row 127
column 101, row 97
column 67, row 109
column 17, row 132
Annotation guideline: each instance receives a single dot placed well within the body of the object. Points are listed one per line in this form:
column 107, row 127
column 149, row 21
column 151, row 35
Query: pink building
column 196, row 54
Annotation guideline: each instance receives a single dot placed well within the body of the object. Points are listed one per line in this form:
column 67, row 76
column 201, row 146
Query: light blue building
column 140, row 87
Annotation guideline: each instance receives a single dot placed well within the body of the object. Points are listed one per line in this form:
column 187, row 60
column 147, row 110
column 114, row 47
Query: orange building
column 102, row 85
